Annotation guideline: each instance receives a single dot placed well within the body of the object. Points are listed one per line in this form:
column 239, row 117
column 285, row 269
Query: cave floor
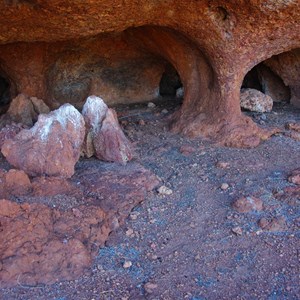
column 181, row 246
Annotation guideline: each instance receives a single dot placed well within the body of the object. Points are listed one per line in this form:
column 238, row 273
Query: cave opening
column 170, row 84
column 263, row 79
column 5, row 93
column 263, row 89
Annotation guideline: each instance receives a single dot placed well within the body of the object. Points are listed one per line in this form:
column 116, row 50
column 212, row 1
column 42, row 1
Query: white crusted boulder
column 94, row 111
column 51, row 147
column 256, row 101
column 104, row 136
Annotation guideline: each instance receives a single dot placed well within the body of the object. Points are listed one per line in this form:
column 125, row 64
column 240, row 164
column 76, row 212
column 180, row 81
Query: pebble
column 151, row 105
column 134, row 216
column 129, row 232
column 237, row 230
column 164, row 111
column 187, row 150
column 142, row 122
column 224, row 186
column 222, row 165
column 127, row 264
column 163, row 190
column 149, row 287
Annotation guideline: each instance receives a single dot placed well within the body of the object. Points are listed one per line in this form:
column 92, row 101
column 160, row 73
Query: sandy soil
column 181, row 246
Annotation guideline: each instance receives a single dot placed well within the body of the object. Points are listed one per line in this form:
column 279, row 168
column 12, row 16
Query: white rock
column 180, row 92
column 163, row 190
column 255, row 101
column 151, row 105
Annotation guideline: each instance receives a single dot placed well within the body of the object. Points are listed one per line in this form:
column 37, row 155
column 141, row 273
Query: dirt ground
column 181, row 246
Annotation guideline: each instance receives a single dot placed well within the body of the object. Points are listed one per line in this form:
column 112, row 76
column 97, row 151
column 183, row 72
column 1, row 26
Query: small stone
column 247, row 204
column 295, row 177
column 127, row 264
column 150, row 287
column 163, row 190
column 237, row 230
column 187, row 150
column 164, row 111
column 293, row 126
column 180, row 92
column 222, row 165
column 142, row 122
column 224, row 186
column 151, row 105
column 134, row 216
column 129, row 232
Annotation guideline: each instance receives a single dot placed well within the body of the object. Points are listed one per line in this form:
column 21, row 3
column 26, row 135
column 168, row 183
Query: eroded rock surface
column 104, row 138
column 46, row 243
column 51, row 147
column 120, row 52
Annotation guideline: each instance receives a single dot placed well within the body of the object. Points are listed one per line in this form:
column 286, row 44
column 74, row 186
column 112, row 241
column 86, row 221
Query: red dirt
column 191, row 244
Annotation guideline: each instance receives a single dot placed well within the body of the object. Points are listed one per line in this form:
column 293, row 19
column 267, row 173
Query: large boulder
column 52, row 146
column 104, row 138
column 256, row 101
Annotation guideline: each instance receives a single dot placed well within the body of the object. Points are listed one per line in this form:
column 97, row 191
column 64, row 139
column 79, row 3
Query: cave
column 5, row 93
column 170, row 82
column 143, row 196
column 276, row 78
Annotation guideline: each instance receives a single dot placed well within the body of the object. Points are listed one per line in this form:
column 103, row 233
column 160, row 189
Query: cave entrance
column 264, row 90
column 263, row 79
column 170, row 84
column 5, row 94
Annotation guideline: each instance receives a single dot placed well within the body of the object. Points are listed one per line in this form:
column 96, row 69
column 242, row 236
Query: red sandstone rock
column 110, row 142
column 275, row 224
column 104, row 136
column 41, row 244
column 9, row 132
column 295, row 177
column 25, row 110
column 256, row 101
column 51, row 186
column 21, row 110
column 247, row 204
column 51, row 147
column 17, row 182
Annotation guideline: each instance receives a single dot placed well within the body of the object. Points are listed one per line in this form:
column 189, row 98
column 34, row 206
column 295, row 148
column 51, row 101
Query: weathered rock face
column 52, row 146
column 66, row 53
column 104, row 137
column 256, row 101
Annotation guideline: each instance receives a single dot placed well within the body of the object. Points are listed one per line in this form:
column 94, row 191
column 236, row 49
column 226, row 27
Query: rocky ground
column 187, row 241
